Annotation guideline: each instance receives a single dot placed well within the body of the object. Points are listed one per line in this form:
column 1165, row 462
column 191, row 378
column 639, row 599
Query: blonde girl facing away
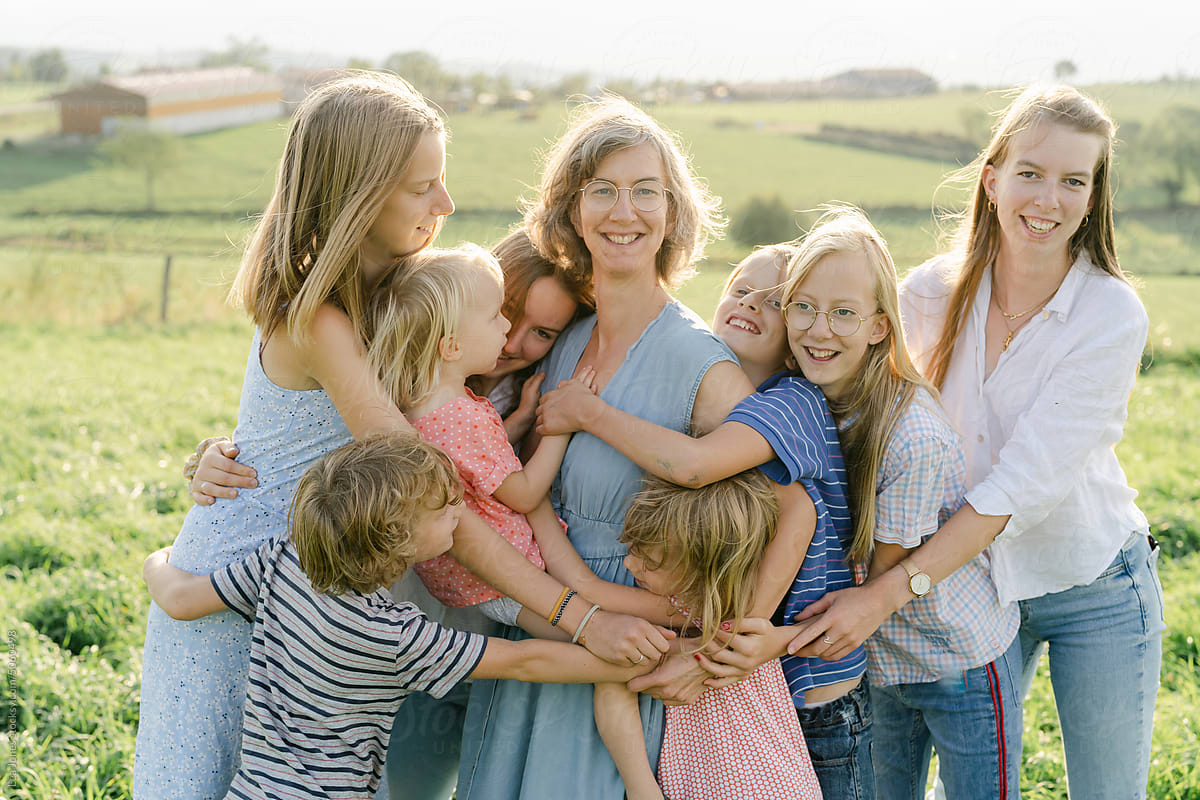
column 705, row 548
column 1033, row 335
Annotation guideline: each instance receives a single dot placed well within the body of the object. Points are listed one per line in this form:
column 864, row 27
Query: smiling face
column 748, row 319
column 1043, row 189
column 548, row 310
column 410, row 215
column 624, row 238
column 842, row 280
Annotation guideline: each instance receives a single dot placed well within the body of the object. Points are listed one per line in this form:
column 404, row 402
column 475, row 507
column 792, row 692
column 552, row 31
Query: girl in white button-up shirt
column 1033, row 335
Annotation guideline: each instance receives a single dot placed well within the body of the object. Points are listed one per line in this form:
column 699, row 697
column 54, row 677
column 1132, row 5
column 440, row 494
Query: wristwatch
column 918, row 582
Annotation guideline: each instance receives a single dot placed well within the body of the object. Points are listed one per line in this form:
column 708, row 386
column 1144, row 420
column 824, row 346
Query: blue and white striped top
column 791, row 414
column 327, row 675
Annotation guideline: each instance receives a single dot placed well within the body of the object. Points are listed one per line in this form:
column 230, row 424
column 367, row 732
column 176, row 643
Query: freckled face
column 1043, row 189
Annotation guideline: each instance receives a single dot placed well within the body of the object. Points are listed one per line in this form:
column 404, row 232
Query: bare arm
column 730, row 447
column 181, row 594
column 522, row 491
column 541, row 661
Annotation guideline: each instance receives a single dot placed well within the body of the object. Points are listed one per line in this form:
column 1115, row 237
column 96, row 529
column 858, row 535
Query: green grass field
column 102, row 402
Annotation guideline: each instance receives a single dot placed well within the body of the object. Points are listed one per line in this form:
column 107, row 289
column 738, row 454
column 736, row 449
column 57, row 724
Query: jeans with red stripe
column 972, row 719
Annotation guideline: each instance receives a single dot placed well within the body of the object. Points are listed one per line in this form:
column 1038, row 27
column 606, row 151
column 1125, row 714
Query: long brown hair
column 887, row 382
column 976, row 240
column 350, row 143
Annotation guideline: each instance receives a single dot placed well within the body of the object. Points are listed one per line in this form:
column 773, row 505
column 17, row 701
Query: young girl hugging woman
column 540, row 301
column 705, row 549
column 361, row 182
column 787, row 429
column 943, row 669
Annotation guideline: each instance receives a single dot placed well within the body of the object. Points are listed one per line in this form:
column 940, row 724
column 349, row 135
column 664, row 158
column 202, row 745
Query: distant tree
column 977, row 125
column 623, row 87
column 48, row 66
column 421, row 70
column 359, row 63
column 248, row 53
column 571, row 85
column 1173, row 139
column 764, row 221
column 144, row 151
column 1065, row 70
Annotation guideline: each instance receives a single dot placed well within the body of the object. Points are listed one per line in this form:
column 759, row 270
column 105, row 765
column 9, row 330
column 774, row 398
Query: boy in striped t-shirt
column 332, row 656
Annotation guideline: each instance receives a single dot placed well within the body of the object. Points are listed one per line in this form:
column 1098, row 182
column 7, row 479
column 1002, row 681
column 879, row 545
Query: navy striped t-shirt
column 791, row 414
column 327, row 675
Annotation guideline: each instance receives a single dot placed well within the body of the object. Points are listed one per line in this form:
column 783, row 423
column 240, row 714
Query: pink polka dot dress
column 741, row 742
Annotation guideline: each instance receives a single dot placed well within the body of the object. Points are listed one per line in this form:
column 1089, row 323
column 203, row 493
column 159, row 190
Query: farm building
column 177, row 102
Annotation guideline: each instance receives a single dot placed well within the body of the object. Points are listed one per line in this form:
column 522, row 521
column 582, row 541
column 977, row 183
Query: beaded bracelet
column 550, row 616
column 562, row 606
column 576, row 638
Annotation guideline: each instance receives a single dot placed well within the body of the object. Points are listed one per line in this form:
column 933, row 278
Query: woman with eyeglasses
column 618, row 205
column 1033, row 335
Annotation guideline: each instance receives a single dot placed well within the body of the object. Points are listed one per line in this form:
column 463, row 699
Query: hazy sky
column 955, row 41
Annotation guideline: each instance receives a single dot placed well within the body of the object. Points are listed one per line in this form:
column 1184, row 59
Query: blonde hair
column 349, row 145
column 355, row 511
column 783, row 253
column 596, row 130
column 887, row 381
column 420, row 304
column 712, row 539
column 977, row 236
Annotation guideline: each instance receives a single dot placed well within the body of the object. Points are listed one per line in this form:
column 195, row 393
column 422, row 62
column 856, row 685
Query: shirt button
column 1045, row 315
column 981, row 437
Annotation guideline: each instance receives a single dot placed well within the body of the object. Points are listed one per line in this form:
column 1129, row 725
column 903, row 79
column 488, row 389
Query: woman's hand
column 839, row 622
column 622, row 639
column 736, row 655
column 570, row 407
column 678, row 680
column 219, row 475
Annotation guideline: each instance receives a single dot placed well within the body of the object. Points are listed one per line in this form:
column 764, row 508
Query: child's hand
column 571, row 407
column 622, row 639
column 155, row 560
column 518, row 423
column 732, row 657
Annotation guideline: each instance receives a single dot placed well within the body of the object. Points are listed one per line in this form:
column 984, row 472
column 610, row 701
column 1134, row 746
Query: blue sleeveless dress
column 194, row 673
column 532, row 740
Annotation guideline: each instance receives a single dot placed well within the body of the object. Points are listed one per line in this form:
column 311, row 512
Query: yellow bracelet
column 557, row 603
column 562, row 607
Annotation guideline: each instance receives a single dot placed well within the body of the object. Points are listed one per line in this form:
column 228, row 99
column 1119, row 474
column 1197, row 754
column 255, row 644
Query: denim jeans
column 972, row 719
column 1105, row 642
column 838, row 735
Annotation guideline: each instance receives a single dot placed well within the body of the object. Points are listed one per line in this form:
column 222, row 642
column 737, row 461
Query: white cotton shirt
column 1040, row 431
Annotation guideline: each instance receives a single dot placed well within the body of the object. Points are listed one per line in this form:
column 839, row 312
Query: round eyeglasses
column 842, row 321
column 647, row 195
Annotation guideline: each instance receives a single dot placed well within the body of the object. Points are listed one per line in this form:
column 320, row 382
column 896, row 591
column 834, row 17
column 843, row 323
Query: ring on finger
column 826, row 640
column 641, row 657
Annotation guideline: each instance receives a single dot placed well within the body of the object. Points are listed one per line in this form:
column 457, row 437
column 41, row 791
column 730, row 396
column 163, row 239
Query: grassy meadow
column 102, row 401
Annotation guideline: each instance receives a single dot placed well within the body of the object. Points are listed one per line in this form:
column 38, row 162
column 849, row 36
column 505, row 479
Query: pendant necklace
column 1012, row 317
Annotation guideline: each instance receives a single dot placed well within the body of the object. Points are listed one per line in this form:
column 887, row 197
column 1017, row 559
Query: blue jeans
column 838, row 735
column 1105, row 642
column 972, row 719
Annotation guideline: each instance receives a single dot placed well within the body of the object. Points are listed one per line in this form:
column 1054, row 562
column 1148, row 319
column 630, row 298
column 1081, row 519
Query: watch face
column 919, row 584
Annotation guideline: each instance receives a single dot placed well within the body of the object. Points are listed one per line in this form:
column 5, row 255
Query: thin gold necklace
column 1007, row 316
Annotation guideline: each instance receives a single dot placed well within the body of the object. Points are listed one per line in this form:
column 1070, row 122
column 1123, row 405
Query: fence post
column 165, row 289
